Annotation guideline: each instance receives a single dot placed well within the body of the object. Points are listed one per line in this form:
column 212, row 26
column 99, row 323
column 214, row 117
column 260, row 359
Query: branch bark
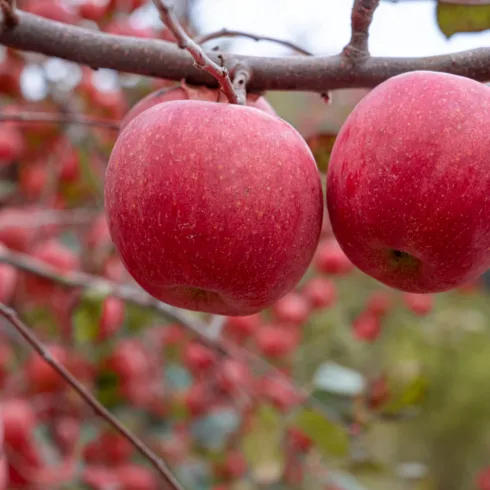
column 171, row 482
column 59, row 118
column 163, row 59
column 137, row 296
column 361, row 18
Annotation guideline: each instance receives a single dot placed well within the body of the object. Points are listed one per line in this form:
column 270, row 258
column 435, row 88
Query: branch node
column 241, row 76
column 361, row 18
column 10, row 18
column 201, row 60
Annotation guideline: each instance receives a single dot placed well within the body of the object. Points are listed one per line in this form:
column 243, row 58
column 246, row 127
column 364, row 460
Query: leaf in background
column 138, row 317
column 86, row 317
column 262, row 444
column 213, row 430
column 405, row 396
column 194, row 474
column 339, row 380
column 321, row 146
column 345, row 481
column 330, row 439
column 7, row 189
column 466, row 16
column 107, row 388
column 90, row 179
column 177, row 378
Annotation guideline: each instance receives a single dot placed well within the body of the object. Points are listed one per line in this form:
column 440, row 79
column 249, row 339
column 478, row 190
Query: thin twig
column 126, row 292
column 59, row 118
column 171, row 482
column 229, row 33
column 361, row 18
column 200, row 58
column 136, row 296
column 36, row 219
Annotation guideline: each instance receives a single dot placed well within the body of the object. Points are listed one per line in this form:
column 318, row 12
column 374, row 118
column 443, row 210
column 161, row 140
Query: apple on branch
column 408, row 183
column 213, row 207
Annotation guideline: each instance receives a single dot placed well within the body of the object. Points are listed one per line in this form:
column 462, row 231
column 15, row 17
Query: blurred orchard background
column 342, row 385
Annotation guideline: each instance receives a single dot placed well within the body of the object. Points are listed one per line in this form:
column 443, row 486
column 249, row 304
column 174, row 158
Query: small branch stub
column 361, row 18
column 240, row 80
column 201, row 60
column 10, row 18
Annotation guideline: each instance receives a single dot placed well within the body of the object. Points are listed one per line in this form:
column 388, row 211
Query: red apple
column 367, row 327
column 420, row 304
column 135, row 477
column 213, row 207
column 56, row 255
column 40, row 376
column 409, row 179
column 292, row 309
column 189, row 92
column 112, row 317
column 54, row 10
column 94, row 10
column 330, row 258
column 11, row 145
column 242, row 327
column 320, row 292
column 199, row 358
column 275, row 341
column 483, row 479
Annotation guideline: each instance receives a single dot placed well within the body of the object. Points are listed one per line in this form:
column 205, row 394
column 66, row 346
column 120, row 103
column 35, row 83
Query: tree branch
column 171, row 482
column 163, row 59
column 59, row 118
column 228, row 33
column 202, row 61
column 131, row 294
column 137, row 296
column 361, row 18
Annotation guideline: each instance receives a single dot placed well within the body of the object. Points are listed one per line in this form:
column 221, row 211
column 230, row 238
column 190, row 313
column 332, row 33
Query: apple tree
column 223, row 272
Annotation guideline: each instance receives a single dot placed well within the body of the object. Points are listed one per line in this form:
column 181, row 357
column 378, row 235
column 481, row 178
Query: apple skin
column 189, row 92
column 408, row 183
column 213, row 207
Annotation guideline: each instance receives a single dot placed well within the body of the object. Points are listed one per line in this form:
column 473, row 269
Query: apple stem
column 361, row 18
column 171, row 483
column 202, row 61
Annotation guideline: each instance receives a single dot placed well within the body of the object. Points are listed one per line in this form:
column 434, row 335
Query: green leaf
column 7, row 189
column 107, row 388
column 321, row 146
column 86, row 317
column 329, row 438
column 464, row 17
column 262, row 444
column 345, row 481
column 406, row 396
column 89, row 177
column 138, row 318
column 339, row 380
